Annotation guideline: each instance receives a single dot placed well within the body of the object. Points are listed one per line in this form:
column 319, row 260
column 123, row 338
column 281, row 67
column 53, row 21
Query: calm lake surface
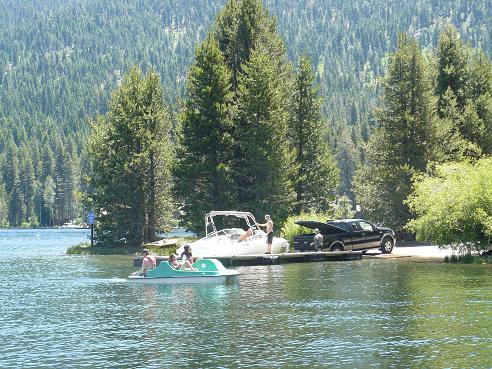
column 78, row 311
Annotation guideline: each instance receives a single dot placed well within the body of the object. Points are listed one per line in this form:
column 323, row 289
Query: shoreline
column 416, row 251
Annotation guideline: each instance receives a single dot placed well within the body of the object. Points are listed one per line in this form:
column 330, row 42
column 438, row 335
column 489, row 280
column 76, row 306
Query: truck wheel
column 387, row 245
column 337, row 247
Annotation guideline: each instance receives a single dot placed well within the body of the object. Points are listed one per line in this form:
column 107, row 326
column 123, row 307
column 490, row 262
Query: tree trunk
column 151, row 203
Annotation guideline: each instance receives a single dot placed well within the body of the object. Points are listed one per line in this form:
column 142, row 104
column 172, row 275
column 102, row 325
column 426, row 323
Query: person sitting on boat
column 187, row 255
column 175, row 264
column 245, row 235
column 148, row 263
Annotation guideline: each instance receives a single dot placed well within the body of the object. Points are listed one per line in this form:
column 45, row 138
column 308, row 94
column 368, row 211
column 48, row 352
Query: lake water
column 78, row 311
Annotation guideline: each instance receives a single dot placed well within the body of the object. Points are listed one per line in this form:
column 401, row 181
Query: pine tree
column 317, row 175
column 4, row 209
column 49, row 200
column 61, row 185
column 263, row 167
column 452, row 55
column 401, row 147
column 48, row 167
column 346, row 157
column 28, row 185
column 218, row 154
column 131, row 158
column 408, row 111
column 17, row 206
column 465, row 77
column 159, row 157
column 480, row 97
column 11, row 165
column 450, row 143
column 240, row 28
column 203, row 170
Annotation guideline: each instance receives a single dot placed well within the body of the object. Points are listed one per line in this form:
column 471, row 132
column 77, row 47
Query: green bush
column 343, row 208
column 454, row 206
column 290, row 229
column 468, row 259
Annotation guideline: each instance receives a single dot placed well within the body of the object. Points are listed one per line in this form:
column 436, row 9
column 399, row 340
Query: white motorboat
column 70, row 225
column 247, row 240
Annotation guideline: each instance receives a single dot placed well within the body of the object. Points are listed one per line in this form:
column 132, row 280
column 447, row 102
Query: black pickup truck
column 346, row 234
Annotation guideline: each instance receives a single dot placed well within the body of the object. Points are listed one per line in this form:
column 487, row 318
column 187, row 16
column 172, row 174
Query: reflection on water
column 76, row 311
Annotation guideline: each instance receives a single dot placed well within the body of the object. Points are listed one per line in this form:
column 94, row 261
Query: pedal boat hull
column 208, row 271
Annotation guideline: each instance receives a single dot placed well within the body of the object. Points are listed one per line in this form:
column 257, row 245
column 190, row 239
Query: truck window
column 365, row 226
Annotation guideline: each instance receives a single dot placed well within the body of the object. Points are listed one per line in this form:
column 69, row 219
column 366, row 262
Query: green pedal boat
column 208, row 271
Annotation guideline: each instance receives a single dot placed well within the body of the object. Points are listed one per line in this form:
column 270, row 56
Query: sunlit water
column 78, row 311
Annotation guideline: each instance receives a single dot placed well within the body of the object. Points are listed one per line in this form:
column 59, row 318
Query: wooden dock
column 274, row 259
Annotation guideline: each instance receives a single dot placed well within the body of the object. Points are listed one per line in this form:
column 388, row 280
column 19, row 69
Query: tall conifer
column 4, row 209
column 240, row 28
column 264, row 165
column 465, row 77
column 316, row 176
column 131, row 156
column 401, row 146
column 240, row 112
column 452, row 59
column 204, row 168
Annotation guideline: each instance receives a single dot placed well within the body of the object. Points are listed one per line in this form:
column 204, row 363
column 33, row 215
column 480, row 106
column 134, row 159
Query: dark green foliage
column 48, row 197
column 204, row 161
column 401, row 146
column 263, row 165
column 242, row 26
column 3, row 206
column 464, row 90
column 131, row 159
column 407, row 111
column 316, row 175
column 468, row 259
column 235, row 151
column 452, row 57
column 59, row 61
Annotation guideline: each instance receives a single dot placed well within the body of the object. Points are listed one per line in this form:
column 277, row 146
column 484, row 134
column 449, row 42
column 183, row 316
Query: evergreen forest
column 66, row 67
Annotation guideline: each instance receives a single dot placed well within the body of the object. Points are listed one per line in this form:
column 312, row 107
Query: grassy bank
column 84, row 248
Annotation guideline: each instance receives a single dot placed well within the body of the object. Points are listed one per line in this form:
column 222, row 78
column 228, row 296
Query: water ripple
column 64, row 311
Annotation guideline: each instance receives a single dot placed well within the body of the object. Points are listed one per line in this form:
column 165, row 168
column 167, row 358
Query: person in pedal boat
column 187, row 255
column 148, row 263
column 175, row 264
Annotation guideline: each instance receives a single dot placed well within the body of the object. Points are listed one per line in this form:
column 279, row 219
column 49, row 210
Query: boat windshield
column 225, row 232
column 229, row 222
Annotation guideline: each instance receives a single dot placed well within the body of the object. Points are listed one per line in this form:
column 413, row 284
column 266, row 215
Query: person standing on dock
column 318, row 240
column 269, row 232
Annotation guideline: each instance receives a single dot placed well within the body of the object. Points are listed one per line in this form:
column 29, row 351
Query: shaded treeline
column 59, row 61
column 251, row 137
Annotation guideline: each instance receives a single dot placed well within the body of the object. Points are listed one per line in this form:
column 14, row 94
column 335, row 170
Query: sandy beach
column 414, row 250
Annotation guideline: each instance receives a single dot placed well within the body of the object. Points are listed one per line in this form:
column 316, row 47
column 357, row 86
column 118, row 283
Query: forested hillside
column 59, row 61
